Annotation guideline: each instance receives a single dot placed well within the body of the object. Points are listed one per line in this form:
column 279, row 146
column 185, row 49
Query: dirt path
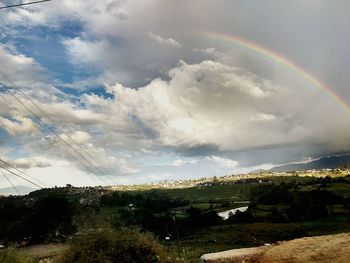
column 44, row 251
column 320, row 249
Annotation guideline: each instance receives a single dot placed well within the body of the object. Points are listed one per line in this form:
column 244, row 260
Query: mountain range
column 330, row 162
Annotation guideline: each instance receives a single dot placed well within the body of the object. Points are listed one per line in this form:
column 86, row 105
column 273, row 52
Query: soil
column 320, row 249
column 44, row 251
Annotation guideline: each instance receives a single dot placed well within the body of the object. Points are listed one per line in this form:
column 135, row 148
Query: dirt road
column 44, row 251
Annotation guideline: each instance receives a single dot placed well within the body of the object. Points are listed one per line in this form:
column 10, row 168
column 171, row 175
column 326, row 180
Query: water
column 225, row 214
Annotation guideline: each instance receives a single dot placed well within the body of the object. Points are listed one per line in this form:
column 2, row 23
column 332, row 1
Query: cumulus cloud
column 84, row 154
column 25, row 163
column 223, row 161
column 68, row 113
column 210, row 103
column 86, row 51
column 204, row 104
column 180, row 162
column 164, row 41
column 18, row 126
column 224, row 106
column 78, row 136
column 215, row 160
column 200, row 105
column 28, row 72
column 212, row 52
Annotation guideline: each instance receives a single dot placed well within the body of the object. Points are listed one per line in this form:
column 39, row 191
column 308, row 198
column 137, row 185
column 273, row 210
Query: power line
column 47, row 116
column 23, row 4
column 66, row 144
column 82, row 164
column 53, row 122
column 8, row 180
column 9, row 166
column 23, row 173
column 17, row 175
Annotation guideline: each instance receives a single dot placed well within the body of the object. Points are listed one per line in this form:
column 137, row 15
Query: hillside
column 21, row 189
column 185, row 220
column 330, row 162
column 320, row 249
column 333, row 166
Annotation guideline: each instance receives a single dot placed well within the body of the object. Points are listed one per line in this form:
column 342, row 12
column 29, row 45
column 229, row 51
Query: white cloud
column 164, row 41
column 18, row 126
column 211, row 51
column 210, row 103
column 28, row 72
column 68, row 113
column 61, row 172
column 207, row 103
column 79, row 137
column 223, row 161
column 27, row 163
column 235, row 101
column 214, row 160
column 84, row 154
column 180, row 162
column 85, row 51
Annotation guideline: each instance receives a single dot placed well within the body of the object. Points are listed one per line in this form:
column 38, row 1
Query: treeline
column 156, row 212
column 296, row 202
column 55, row 214
column 152, row 201
column 47, row 218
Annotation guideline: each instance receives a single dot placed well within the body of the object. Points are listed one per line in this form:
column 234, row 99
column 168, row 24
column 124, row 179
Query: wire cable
column 8, row 180
column 23, row 173
column 17, row 175
column 75, row 158
column 46, row 115
column 23, row 4
column 55, row 133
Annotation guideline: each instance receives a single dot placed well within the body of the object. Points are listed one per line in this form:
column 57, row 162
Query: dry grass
column 321, row 249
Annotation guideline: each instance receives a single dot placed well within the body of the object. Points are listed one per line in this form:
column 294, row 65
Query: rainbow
column 280, row 59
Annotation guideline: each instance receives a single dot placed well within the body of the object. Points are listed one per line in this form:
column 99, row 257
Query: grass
column 215, row 238
column 217, row 193
column 12, row 255
column 233, row 236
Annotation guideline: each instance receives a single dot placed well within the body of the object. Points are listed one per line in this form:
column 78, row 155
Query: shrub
column 13, row 256
column 126, row 245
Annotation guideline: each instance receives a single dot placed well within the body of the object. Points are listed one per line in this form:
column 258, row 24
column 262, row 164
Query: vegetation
column 47, row 218
column 13, row 256
column 176, row 223
column 125, row 245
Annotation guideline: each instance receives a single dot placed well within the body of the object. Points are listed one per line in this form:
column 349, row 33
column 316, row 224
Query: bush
column 52, row 216
column 126, row 245
column 48, row 218
column 13, row 256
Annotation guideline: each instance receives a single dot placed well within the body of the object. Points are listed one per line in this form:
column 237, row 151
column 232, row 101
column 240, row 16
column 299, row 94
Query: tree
column 51, row 217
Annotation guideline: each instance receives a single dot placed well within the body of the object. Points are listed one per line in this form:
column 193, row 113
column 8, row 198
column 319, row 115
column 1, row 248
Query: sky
column 130, row 92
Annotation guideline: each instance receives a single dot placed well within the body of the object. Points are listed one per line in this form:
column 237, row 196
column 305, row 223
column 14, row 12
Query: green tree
column 126, row 245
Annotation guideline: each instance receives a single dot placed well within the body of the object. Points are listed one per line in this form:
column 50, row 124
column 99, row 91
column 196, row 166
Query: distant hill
column 22, row 189
column 330, row 162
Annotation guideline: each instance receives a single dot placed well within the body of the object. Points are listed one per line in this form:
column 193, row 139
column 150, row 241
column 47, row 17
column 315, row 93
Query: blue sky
column 147, row 97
